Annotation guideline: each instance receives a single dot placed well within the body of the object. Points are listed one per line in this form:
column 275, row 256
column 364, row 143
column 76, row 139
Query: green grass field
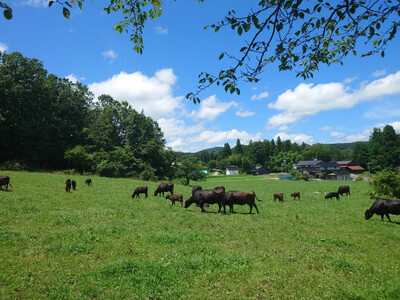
column 97, row 242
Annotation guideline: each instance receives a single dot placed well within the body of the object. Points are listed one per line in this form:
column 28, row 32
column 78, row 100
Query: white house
column 232, row 171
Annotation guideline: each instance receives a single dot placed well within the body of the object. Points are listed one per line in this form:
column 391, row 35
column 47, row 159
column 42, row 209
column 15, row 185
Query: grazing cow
column 383, row 207
column 140, row 190
column 89, row 182
column 73, row 183
column 294, row 195
column 344, row 189
column 202, row 197
column 4, row 180
column 331, row 195
column 164, row 187
column 173, row 198
column 68, row 185
column 280, row 197
column 241, row 198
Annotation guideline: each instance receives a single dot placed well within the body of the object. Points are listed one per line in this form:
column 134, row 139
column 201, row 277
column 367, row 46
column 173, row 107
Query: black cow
column 68, row 185
column 196, row 188
column 140, row 190
column 383, row 207
column 331, row 195
column 89, row 181
column 73, row 183
column 4, row 180
column 294, row 195
column 164, row 187
column 344, row 189
column 241, row 198
column 173, row 198
column 280, row 197
column 202, row 197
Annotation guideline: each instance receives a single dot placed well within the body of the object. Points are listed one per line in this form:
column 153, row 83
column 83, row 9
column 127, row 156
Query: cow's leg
column 219, row 205
column 382, row 217
column 387, row 215
column 255, row 205
column 251, row 208
column 231, row 208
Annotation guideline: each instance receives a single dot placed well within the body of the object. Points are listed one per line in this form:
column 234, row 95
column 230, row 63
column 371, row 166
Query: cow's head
column 368, row 214
column 189, row 202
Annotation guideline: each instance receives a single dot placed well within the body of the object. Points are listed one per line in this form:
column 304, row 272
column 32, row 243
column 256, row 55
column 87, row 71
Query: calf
column 383, row 207
column 140, row 190
column 344, row 189
column 331, row 195
column 294, row 195
column 68, row 185
column 4, row 180
column 173, row 198
column 279, row 197
column 73, row 183
column 89, row 182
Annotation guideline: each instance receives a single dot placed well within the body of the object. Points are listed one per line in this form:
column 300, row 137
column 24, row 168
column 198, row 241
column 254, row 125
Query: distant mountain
column 211, row 150
column 344, row 146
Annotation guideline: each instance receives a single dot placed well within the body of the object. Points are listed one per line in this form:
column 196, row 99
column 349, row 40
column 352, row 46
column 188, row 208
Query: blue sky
column 340, row 104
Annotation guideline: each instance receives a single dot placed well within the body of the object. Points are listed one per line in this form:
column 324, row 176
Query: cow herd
column 72, row 183
column 205, row 197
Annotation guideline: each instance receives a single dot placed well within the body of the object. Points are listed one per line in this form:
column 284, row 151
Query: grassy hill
column 97, row 242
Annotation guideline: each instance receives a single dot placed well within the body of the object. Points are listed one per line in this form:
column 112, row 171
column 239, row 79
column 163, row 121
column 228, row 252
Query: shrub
column 148, row 175
column 70, row 172
column 386, row 183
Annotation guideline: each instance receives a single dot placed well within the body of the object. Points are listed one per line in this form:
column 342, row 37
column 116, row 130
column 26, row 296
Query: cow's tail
column 256, row 197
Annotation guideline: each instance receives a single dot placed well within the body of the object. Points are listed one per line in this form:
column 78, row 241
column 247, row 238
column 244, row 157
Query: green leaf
column 51, row 3
column 66, row 12
column 7, row 14
column 221, row 56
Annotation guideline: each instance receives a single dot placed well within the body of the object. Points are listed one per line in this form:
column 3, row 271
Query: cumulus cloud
column 337, row 134
column 3, row 47
column 153, row 95
column 396, row 126
column 245, row 114
column 211, row 108
column 260, row 96
column 161, row 30
column 298, row 138
column 363, row 136
column 308, row 99
column 110, row 54
column 74, row 78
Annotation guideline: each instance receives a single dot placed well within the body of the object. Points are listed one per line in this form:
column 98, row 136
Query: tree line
column 380, row 153
column 49, row 122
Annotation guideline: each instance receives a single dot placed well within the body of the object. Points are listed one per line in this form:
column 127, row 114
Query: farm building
column 260, row 170
column 232, row 171
column 326, row 170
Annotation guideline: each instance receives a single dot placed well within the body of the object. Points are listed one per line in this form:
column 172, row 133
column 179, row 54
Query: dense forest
column 49, row 122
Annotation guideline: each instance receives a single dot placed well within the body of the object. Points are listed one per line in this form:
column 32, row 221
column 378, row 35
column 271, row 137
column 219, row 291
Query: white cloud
column 110, row 54
column 379, row 73
column 175, row 129
column 213, row 138
column 396, row 126
column 307, row 99
column 3, row 47
column 161, row 30
column 74, row 78
column 36, row 3
column 363, row 136
column 245, row 114
column 298, row 138
column 337, row 134
column 211, row 108
column 152, row 94
column 260, row 96
column 325, row 128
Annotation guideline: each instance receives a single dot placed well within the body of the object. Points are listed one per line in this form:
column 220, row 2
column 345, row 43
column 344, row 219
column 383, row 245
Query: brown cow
column 164, row 187
column 173, row 198
column 294, row 195
column 4, row 180
column 202, row 197
column 280, row 197
column 89, row 181
column 241, row 198
column 68, row 185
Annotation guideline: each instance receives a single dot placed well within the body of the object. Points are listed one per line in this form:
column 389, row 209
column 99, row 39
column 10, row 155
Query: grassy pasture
column 97, row 242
